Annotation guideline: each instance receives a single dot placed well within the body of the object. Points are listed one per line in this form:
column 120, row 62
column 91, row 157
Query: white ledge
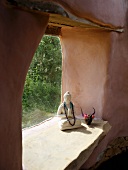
column 45, row 147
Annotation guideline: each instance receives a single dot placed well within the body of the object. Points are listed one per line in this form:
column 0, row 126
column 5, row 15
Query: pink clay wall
column 20, row 34
column 85, row 59
column 95, row 71
column 108, row 90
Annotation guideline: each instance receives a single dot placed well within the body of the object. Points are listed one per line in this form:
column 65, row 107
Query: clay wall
column 116, row 92
column 110, row 12
column 95, row 70
column 20, row 33
column 84, row 68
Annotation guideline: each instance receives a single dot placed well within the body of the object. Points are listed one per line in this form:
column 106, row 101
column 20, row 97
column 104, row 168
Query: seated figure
column 66, row 114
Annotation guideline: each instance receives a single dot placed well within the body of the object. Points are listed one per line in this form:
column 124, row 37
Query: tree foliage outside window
column 42, row 88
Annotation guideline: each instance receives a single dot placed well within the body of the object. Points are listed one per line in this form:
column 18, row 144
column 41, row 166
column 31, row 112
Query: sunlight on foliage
column 43, row 82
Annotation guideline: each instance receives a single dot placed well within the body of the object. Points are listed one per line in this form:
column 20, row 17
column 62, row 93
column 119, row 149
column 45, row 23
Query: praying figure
column 67, row 114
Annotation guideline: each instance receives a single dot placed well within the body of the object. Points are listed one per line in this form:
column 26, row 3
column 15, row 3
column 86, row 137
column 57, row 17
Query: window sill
column 45, row 147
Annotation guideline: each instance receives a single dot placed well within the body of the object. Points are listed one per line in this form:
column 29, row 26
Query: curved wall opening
column 84, row 61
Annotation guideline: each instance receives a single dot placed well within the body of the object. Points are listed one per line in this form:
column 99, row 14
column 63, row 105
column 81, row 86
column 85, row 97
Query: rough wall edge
column 40, row 7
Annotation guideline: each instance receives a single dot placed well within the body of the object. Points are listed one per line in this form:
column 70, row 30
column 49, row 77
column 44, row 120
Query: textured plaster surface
column 47, row 147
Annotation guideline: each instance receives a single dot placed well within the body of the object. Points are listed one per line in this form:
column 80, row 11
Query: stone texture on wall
column 117, row 146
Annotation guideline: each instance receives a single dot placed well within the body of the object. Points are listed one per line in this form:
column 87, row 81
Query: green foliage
column 43, row 82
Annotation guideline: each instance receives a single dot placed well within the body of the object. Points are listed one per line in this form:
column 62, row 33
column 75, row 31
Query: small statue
column 88, row 118
column 67, row 115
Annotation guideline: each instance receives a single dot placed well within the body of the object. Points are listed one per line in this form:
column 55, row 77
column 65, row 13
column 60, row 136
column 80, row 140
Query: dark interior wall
column 20, row 33
column 117, row 162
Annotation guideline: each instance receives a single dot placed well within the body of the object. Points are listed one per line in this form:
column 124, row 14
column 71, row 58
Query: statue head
column 67, row 97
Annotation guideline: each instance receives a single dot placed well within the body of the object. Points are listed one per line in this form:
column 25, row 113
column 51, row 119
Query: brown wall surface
column 110, row 12
column 20, row 33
